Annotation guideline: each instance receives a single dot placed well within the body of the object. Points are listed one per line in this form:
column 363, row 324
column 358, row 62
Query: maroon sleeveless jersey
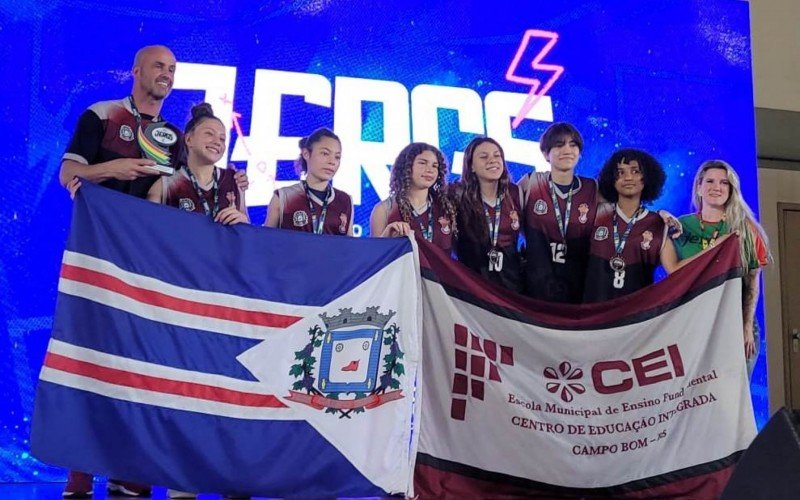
column 556, row 267
column 641, row 254
column 475, row 254
column 178, row 191
column 442, row 226
column 298, row 210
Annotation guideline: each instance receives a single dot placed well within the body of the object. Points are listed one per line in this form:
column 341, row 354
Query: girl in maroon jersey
column 628, row 241
column 418, row 201
column 198, row 186
column 489, row 215
column 313, row 205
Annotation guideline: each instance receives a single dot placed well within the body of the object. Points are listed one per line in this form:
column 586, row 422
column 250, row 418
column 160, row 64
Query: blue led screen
column 673, row 77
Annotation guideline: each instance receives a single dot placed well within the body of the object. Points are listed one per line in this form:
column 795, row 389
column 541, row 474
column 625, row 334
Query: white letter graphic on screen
column 427, row 100
column 265, row 144
column 219, row 82
column 500, row 108
column 374, row 157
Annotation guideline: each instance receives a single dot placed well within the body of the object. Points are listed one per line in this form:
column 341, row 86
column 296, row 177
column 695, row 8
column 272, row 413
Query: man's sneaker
column 79, row 485
column 180, row 494
column 126, row 489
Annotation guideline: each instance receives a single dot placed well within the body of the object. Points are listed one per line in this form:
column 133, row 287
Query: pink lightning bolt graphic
column 536, row 92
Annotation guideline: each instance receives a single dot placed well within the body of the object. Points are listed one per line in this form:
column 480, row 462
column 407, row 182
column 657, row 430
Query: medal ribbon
column 427, row 233
column 494, row 229
column 215, row 189
column 563, row 224
column 619, row 243
column 317, row 225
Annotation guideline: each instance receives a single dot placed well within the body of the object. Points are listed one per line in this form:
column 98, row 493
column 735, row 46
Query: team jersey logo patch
column 647, row 237
column 540, row 207
column 342, row 223
column 514, row 216
column 126, row 133
column 300, row 218
column 601, row 233
column 186, row 204
column 444, row 222
column 583, row 210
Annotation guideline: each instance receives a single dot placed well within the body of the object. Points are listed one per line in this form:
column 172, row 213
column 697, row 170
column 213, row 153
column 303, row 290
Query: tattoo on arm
column 750, row 295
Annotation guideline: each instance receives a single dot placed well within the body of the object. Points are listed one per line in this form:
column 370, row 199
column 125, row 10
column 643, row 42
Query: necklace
column 718, row 227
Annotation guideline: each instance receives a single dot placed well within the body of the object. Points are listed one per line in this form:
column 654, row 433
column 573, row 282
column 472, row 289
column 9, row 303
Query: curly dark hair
column 471, row 219
column 400, row 181
column 653, row 174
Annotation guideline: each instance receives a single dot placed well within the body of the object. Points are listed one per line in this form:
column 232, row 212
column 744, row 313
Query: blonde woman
column 721, row 210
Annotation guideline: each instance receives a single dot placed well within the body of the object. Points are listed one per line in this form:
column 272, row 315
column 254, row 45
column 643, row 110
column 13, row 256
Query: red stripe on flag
column 158, row 384
column 159, row 299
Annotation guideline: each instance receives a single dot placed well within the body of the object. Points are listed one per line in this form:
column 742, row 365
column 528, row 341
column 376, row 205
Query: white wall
column 775, row 27
column 775, row 186
column 775, row 31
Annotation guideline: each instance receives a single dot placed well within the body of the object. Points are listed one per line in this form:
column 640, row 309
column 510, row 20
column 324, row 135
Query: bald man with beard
column 105, row 146
column 105, row 149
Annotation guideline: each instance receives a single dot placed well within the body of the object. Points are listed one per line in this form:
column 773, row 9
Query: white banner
column 655, row 395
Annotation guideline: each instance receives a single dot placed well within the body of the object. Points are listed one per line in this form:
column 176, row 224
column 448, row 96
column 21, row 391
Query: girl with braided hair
column 418, row 200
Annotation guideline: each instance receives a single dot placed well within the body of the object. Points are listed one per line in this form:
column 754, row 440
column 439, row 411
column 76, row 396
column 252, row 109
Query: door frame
column 786, row 338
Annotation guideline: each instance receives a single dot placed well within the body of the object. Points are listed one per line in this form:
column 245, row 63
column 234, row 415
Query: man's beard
column 156, row 97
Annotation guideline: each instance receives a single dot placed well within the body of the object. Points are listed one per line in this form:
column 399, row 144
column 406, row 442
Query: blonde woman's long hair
column 738, row 215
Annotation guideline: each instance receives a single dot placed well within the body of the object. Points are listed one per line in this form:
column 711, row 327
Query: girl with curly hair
column 489, row 215
column 628, row 241
column 721, row 210
column 418, row 201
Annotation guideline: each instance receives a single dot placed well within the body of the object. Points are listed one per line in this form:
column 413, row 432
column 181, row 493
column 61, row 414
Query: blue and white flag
column 230, row 359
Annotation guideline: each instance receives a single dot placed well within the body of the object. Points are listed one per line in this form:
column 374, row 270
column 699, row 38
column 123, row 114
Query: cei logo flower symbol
column 562, row 381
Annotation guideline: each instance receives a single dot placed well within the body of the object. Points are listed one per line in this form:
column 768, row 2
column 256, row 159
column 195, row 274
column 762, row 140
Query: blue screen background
column 672, row 77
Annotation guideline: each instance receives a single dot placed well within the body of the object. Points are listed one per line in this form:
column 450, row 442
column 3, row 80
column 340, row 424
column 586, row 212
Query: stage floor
column 52, row 491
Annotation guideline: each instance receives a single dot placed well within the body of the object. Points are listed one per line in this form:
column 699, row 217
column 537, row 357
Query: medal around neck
column 154, row 142
column 617, row 263
column 495, row 260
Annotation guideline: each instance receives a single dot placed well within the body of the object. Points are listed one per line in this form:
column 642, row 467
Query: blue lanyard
column 317, row 225
column 494, row 229
column 138, row 116
column 427, row 233
column 619, row 243
column 214, row 187
column 563, row 224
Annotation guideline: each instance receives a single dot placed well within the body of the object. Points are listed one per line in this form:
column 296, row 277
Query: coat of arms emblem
column 359, row 360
